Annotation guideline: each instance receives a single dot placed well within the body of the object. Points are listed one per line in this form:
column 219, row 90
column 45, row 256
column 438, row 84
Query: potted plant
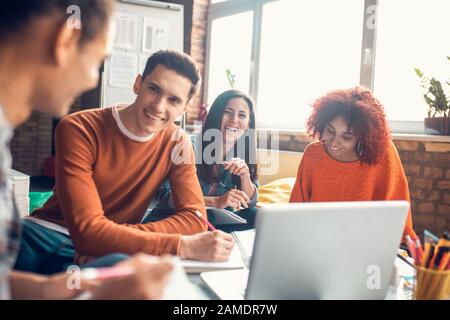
column 438, row 120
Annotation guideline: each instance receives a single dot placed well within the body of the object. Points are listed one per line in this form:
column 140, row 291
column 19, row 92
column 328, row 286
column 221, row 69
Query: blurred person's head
column 57, row 48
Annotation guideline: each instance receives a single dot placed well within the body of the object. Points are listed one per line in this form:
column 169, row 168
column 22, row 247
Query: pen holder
column 431, row 284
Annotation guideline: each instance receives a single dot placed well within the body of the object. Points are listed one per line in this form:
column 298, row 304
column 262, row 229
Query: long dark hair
column 214, row 121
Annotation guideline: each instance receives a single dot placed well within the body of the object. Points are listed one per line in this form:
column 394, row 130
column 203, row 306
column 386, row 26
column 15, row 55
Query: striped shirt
column 10, row 222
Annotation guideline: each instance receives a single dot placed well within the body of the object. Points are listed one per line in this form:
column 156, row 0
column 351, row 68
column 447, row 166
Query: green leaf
column 418, row 72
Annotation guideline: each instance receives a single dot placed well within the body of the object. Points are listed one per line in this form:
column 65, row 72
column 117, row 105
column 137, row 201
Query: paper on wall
column 123, row 70
column 155, row 35
column 126, row 31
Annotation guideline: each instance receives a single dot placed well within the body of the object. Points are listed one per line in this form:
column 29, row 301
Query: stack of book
column 20, row 185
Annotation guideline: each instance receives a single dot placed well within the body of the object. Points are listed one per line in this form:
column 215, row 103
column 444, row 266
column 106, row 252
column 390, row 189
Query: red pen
column 200, row 216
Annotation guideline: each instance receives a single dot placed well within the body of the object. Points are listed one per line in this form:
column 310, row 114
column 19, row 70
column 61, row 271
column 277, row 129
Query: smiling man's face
column 161, row 97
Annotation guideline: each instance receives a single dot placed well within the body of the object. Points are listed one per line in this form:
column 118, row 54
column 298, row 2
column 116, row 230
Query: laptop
column 329, row 250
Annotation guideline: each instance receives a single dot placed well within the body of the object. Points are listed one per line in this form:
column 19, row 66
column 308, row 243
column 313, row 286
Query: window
column 410, row 34
column 323, row 53
column 286, row 53
column 231, row 44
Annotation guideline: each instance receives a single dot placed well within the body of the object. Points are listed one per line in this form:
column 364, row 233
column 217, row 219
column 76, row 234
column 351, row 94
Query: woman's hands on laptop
column 207, row 246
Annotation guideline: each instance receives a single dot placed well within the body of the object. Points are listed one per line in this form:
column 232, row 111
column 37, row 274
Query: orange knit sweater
column 105, row 182
column 321, row 178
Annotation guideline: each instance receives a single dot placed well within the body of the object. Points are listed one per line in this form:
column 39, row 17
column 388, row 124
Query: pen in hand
column 226, row 187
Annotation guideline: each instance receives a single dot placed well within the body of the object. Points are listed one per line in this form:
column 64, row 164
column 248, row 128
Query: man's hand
column 207, row 246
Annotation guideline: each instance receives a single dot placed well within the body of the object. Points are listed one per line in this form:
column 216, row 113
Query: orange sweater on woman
column 321, row 178
column 105, row 181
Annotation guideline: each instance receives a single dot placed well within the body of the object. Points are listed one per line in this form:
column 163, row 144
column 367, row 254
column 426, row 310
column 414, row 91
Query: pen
column 438, row 257
column 430, row 257
column 444, row 261
column 106, row 273
column 200, row 216
column 429, row 237
column 226, row 187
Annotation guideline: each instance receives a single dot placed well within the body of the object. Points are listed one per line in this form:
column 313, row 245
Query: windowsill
column 395, row 136
column 421, row 137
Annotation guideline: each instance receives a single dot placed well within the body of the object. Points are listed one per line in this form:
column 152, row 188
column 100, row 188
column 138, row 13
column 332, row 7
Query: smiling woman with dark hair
column 228, row 174
column 353, row 158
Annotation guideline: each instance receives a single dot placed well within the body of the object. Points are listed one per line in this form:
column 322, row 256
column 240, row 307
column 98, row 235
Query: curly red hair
column 364, row 115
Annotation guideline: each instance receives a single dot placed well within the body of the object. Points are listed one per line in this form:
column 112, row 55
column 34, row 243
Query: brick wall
column 32, row 144
column 198, row 49
column 427, row 167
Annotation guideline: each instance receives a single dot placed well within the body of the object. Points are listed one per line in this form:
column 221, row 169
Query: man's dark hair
column 179, row 62
column 16, row 15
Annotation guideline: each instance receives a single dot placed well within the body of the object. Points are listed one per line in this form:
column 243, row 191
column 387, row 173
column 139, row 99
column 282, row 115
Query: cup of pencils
column 432, row 264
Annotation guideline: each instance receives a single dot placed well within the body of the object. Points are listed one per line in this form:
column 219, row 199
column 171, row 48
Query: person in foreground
column 45, row 64
column 354, row 158
column 229, row 178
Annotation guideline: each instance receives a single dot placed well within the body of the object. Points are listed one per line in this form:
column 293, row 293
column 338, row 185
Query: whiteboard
column 141, row 28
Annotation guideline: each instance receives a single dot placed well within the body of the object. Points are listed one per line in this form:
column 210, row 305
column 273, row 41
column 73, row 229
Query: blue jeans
column 46, row 251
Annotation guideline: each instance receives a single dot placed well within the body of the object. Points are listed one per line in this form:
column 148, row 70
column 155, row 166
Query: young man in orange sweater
column 110, row 163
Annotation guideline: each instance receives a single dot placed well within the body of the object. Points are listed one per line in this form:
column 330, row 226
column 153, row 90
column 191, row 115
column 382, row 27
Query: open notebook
column 234, row 262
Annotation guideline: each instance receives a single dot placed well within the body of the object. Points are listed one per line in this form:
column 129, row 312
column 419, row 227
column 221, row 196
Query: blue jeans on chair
column 46, row 251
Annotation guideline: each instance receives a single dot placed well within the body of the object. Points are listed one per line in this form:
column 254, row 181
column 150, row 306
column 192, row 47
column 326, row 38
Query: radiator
column 276, row 164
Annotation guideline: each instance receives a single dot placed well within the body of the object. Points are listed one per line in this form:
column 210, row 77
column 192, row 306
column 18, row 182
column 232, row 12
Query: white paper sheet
column 155, row 35
column 123, row 70
column 126, row 31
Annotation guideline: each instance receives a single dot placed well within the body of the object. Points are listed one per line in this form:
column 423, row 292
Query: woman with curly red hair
column 354, row 158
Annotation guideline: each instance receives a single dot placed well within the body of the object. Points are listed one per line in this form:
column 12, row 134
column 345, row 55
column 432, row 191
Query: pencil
column 200, row 216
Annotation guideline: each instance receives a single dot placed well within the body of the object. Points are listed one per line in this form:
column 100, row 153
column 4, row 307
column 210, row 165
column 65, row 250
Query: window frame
column 367, row 62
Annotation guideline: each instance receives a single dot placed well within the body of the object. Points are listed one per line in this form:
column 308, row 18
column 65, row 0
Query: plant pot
column 439, row 126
